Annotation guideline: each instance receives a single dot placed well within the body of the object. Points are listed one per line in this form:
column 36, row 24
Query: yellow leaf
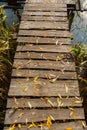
column 52, row 118
column 12, row 127
column 40, row 125
column 68, row 129
column 24, row 89
column 66, row 87
column 49, row 122
column 31, row 125
column 37, row 41
column 36, row 78
column 41, row 48
column 54, row 79
column 15, row 100
column 29, row 104
column 67, row 97
column 20, row 115
column 49, row 101
column 59, row 102
column 83, row 124
column 72, row 109
column 19, row 126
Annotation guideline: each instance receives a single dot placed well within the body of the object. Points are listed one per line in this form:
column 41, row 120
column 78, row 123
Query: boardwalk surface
column 44, row 91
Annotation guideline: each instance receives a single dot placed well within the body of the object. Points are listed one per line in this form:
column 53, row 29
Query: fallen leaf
column 19, row 126
column 59, row 102
column 49, row 122
column 66, row 87
column 52, row 118
column 24, row 89
column 29, row 104
column 15, row 100
column 36, row 78
column 31, row 125
column 12, row 127
column 41, row 48
column 57, row 42
column 21, row 114
column 59, row 96
column 54, row 79
column 37, row 41
column 49, row 101
column 67, row 97
column 83, row 124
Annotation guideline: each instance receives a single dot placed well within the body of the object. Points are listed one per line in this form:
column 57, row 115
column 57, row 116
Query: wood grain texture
column 44, row 64
column 45, row 33
column 42, row 102
column 43, row 74
column 43, row 25
column 45, row 48
column 42, row 56
column 44, row 7
column 49, row 41
column 43, row 18
column 36, row 115
column 47, row 3
column 24, row 87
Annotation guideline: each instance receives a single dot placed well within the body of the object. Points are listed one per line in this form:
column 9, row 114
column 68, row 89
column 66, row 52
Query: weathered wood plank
column 45, row 33
column 44, row 64
column 75, row 125
column 50, row 41
column 43, row 87
column 43, row 102
column 44, row 18
column 60, row 4
column 43, row 25
column 36, row 115
column 41, row 13
column 42, row 56
column 43, row 74
column 44, row 7
column 45, row 48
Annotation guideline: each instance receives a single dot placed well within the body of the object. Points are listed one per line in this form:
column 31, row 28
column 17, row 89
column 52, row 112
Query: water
column 79, row 26
column 11, row 14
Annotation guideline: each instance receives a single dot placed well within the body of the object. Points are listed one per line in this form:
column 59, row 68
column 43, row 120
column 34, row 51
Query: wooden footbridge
column 44, row 90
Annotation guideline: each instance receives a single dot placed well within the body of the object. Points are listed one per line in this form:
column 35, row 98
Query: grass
column 79, row 52
column 7, row 49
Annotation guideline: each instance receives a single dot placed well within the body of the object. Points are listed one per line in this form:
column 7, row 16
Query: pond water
column 78, row 28
column 11, row 14
column 79, row 25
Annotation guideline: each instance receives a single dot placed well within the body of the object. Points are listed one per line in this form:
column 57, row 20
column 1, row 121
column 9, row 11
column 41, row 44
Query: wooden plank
column 36, row 115
column 43, row 25
column 41, row 13
column 43, row 18
column 50, row 41
column 43, row 102
column 42, row 56
column 74, row 125
column 44, row 48
column 44, row 7
column 43, row 87
column 60, row 4
column 44, row 64
column 45, row 33
column 43, row 74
